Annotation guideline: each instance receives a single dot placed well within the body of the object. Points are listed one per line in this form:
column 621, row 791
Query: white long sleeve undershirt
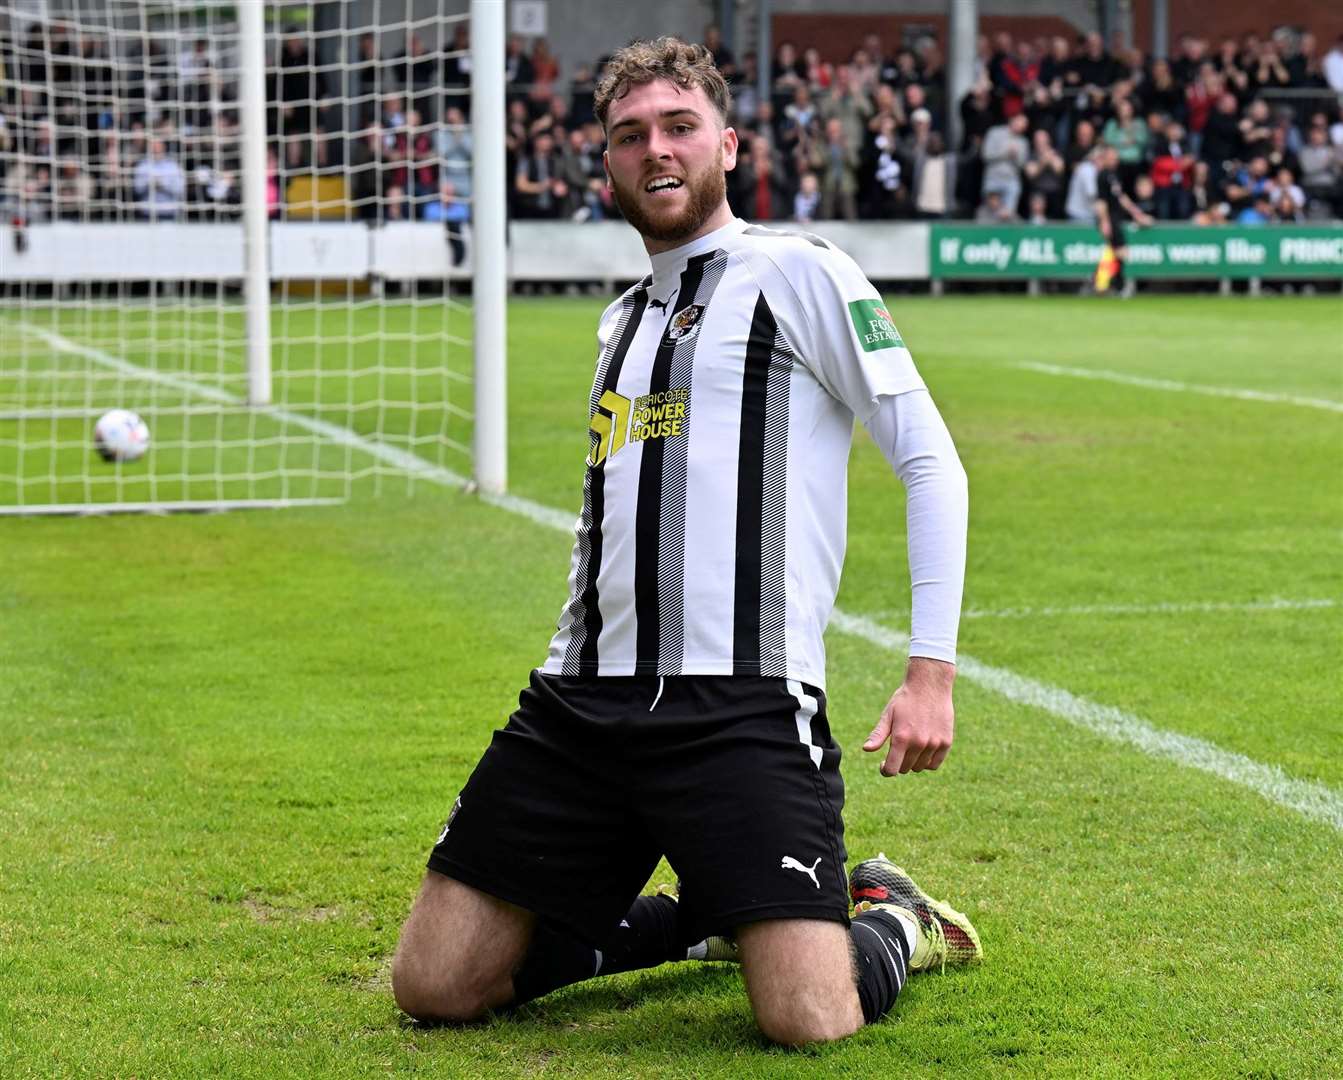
column 911, row 434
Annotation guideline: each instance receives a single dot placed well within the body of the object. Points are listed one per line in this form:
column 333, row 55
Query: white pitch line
column 1309, row 799
column 1276, row 604
column 1184, row 388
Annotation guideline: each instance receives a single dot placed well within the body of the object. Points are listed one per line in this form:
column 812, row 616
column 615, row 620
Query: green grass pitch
column 229, row 741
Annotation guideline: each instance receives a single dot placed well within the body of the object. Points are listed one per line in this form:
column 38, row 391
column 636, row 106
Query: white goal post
column 274, row 230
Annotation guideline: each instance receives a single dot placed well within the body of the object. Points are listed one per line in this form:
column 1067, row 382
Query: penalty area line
column 1172, row 386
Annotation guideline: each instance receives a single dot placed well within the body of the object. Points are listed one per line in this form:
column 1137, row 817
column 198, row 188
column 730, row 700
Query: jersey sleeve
column 840, row 327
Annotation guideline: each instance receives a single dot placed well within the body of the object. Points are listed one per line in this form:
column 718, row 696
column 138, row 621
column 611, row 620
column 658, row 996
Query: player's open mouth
column 662, row 183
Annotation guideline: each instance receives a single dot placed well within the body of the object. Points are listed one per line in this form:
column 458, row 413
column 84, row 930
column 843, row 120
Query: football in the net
column 120, row 435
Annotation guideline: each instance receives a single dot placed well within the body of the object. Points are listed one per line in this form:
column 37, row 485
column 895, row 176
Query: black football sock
column 882, row 961
column 646, row 937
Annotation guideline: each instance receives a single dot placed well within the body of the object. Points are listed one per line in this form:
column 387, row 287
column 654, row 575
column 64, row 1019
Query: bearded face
column 673, row 215
column 666, row 158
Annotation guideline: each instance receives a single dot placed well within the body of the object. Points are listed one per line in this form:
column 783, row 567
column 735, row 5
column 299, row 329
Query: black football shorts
column 735, row 779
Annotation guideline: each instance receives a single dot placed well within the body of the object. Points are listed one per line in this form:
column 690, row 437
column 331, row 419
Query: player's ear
column 606, row 165
column 729, row 149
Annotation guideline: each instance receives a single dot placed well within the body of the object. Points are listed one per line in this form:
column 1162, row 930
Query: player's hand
column 918, row 721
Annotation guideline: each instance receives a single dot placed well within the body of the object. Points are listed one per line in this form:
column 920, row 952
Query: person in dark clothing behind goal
column 1112, row 204
column 681, row 709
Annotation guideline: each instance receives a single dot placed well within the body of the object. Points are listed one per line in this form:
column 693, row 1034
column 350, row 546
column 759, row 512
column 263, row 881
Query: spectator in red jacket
column 1173, row 175
column 1020, row 74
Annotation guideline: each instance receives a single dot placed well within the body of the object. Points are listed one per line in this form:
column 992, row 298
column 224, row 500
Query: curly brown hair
column 667, row 58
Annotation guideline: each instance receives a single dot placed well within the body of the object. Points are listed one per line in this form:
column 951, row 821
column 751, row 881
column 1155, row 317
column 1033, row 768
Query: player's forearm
column 910, row 432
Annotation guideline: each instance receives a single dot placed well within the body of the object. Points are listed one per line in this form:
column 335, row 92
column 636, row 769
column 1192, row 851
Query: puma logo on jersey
column 790, row 863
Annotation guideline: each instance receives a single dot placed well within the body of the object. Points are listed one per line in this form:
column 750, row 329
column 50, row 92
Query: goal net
column 251, row 225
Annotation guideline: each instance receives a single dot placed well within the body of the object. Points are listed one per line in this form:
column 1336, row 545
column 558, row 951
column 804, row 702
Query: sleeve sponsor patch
column 874, row 326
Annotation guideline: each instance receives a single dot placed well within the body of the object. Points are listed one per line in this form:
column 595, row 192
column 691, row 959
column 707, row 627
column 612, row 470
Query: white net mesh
column 122, row 252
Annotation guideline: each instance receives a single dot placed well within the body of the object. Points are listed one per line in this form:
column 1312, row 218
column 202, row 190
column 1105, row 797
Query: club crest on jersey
column 685, row 323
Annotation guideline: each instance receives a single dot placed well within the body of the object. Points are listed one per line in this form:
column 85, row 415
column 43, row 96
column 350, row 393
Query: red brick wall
column 837, row 35
column 1216, row 19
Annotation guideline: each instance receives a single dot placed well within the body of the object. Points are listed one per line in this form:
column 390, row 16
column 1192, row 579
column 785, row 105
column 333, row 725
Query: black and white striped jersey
column 714, row 504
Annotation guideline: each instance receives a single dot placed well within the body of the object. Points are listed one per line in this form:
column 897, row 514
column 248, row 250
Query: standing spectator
column 298, row 85
column 884, row 185
column 1161, row 93
column 1269, row 71
column 72, row 193
column 1080, row 206
column 457, row 70
column 1222, row 135
column 836, row 163
column 582, row 95
column 1044, row 173
column 762, row 189
column 454, row 212
column 517, row 69
column 1127, row 133
column 1320, row 169
column 915, row 150
column 1019, row 75
column 1058, row 73
column 1303, row 66
column 370, row 79
column 1189, row 59
column 159, row 185
column 541, row 191
column 1205, row 196
column 1172, row 175
column 581, row 170
column 849, row 104
column 455, row 149
column 1096, row 67
column 1005, row 153
column 937, row 181
column 420, row 74
column 722, row 55
column 808, row 199
column 1082, row 146
column 545, row 69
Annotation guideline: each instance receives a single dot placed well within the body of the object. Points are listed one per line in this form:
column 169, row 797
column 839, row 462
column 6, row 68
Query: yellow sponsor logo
column 652, row 416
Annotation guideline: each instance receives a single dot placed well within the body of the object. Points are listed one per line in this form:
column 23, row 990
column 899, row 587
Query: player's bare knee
column 437, row 994
column 805, row 1020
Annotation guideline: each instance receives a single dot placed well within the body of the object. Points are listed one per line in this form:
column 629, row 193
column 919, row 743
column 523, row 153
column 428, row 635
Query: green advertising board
column 1164, row 251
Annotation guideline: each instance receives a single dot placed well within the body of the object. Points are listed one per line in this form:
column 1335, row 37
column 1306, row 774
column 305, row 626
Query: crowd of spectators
column 1248, row 130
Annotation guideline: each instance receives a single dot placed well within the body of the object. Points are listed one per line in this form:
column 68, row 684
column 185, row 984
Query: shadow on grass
column 667, row 1009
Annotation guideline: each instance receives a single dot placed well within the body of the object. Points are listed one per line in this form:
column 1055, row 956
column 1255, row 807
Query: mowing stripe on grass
column 1184, row 388
column 1309, row 799
column 1276, row 604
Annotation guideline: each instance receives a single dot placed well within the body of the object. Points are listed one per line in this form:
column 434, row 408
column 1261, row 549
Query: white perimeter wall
column 538, row 251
